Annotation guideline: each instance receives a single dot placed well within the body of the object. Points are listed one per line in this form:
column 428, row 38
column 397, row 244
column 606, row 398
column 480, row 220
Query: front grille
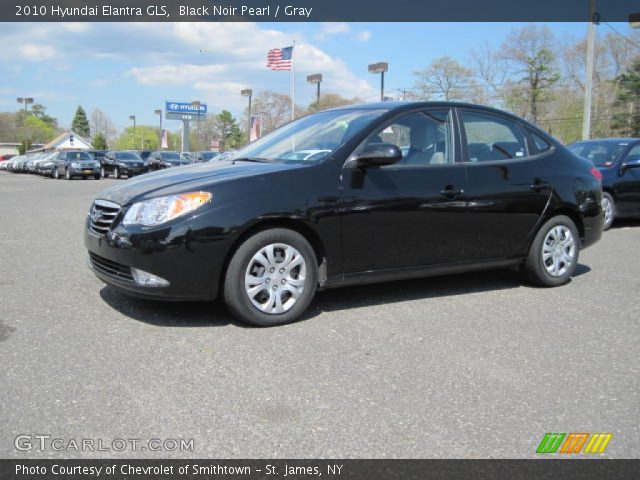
column 102, row 215
column 110, row 268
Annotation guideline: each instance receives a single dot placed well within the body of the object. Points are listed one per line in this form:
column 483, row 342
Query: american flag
column 280, row 58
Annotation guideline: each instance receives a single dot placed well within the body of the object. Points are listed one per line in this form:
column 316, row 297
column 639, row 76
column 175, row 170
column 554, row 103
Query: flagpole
column 293, row 81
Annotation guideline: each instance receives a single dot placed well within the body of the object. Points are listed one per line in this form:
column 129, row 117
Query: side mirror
column 631, row 162
column 375, row 155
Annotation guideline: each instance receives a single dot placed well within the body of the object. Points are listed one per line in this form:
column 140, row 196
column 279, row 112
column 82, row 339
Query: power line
column 632, row 42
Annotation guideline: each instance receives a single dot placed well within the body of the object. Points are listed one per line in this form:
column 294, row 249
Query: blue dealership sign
column 185, row 108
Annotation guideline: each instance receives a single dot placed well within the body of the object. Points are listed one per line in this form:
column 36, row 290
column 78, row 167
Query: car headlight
column 96, row 164
column 75, row 164
column 162, row 209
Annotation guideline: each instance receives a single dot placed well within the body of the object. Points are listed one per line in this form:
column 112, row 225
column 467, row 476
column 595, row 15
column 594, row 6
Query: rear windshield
column 602, row 154
column 126, row 156
column 171, row 156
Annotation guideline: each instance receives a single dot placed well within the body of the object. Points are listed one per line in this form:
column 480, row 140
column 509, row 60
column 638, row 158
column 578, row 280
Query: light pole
column 247, row 92
column 26, row 101
column 133, row 117
column 594, row 19
column 159, row 113
column 317, row 79
column 380, row 68
column 196, row 104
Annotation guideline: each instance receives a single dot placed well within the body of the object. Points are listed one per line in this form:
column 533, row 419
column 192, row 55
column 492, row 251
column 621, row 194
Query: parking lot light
column 317, row 79
column 381, row 68
column 133, row 117
column 26, row 101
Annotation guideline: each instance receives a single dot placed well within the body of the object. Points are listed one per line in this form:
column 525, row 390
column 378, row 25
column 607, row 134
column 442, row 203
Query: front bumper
column 183, row 253
column 133, row 170
column 84, row 171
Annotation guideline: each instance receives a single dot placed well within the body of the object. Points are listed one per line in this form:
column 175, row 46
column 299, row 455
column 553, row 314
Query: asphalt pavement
column 467, row 366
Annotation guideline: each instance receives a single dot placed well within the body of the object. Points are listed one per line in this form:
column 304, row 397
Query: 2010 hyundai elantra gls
column 402, row 190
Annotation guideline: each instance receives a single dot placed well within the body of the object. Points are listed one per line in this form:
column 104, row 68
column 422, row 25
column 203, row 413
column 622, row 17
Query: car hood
column 195, row 177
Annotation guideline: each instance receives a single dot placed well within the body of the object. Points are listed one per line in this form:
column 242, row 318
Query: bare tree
column 446, row 79
column 531, row 53
column 492, row 69
column 100, row 122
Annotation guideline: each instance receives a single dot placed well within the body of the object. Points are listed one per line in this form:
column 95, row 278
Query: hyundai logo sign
column 186, row 108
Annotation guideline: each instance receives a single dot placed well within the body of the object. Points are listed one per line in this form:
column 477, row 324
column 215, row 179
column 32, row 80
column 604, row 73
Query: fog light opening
column 147, row 279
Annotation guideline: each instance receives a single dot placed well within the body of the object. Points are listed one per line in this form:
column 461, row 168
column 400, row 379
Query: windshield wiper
column 252, row 159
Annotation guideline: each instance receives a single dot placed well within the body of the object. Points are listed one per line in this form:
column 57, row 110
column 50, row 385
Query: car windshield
column 170, row 156
column 208, row 155
column 602, row 154
column 78, row 156
column 126, row 156
column 308, row 139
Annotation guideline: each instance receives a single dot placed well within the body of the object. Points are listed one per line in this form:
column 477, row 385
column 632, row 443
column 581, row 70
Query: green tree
column 80, row 123
column 100, row 142
column 146, row 138
column 229, row 131
column 626, row 118
column 24, row 147
column 331, row 100
column 39, row 110
column 37, row 130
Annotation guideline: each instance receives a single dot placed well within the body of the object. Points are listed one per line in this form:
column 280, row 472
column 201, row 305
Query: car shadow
column 214, row 314
column 625, row 222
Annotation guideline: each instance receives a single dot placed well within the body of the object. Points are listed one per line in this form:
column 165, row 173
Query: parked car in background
column 618, row 159
column 204, row 156
column 224, row 155
column 478, row 189
column 97, row 154
column 166, row 159
column 4, row 158
column 123, row 163
column 75, row 163
column 144, row 154
column 45, row 166
column 307, row 155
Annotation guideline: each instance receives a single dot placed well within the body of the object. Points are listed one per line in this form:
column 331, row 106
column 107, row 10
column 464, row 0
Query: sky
column 132, row 68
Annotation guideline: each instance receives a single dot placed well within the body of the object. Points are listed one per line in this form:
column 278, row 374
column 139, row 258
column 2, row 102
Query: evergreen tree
column 626, row 119
column 80, row 123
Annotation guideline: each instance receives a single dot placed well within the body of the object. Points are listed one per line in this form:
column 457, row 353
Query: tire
column 55, row 174
column 263, row 308
column 103, row 173
column 553, row 256
column 608, row 210
column 97, row 176
column 67, row 174
column 116, row 173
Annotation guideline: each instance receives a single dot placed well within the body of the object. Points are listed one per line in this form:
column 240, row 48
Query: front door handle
column 451, row 191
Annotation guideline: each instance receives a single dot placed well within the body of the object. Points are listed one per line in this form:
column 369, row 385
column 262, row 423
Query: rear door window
column 491, row 137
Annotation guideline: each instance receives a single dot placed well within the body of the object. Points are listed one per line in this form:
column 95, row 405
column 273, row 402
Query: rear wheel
column 97, row 176
column 608, row 209
column 271, row 278
column 103, row 173
column 116, row 172
column 67, row 174
column 553, row 256
column 55, row 174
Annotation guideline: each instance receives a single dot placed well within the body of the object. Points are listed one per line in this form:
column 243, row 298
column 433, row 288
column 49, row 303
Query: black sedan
column 166, row 159
column 477, row 188
column 124, row 163
column 618, row 159
column 75, row 163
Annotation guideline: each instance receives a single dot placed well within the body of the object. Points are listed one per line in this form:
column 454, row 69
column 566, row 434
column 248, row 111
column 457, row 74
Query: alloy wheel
column 559, row 250
column 275, row 278
column 607, row 209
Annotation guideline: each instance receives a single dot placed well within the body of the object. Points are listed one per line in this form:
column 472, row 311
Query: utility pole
column 594, row 19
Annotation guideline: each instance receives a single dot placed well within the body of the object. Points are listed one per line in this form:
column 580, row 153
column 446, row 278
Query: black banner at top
column 314, row 10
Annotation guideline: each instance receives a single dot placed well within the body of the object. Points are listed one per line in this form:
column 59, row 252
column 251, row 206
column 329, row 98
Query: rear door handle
column 451, row 191
column 539, row 187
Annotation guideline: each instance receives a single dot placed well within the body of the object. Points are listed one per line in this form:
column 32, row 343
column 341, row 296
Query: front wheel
column 553, row 255
column 103, row 173
column 271, row 278
column 608, row 209
column 67, row 174
column 55, row 174
column 116, row 173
